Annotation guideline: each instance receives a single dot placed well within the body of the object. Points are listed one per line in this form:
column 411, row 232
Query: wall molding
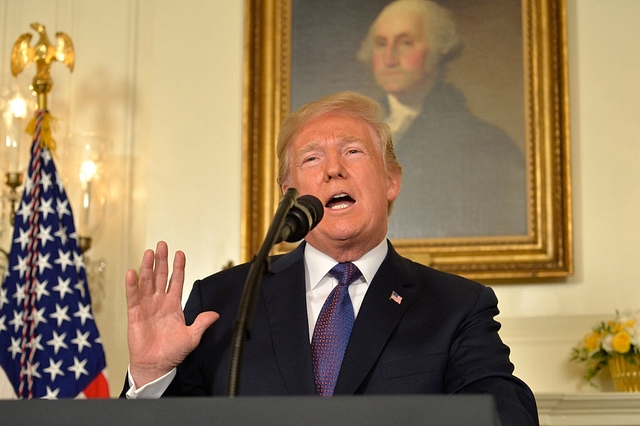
column 602, row 408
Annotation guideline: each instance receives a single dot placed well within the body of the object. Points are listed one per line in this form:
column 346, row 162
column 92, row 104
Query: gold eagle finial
column 42, row 54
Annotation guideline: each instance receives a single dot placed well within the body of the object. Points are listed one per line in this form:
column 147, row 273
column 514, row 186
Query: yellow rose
column 629, row 323
column 591, row 341
column 621, row 342
column 618, row 327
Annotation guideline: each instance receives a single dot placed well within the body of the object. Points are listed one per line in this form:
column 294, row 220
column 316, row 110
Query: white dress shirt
column 400, row 118
column 319, row 284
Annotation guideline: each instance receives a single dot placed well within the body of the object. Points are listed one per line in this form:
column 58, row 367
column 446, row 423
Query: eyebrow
column 349, row 138
column 311, row 145
column 397, row 36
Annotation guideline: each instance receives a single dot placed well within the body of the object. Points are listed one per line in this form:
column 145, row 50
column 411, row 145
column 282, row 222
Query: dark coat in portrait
column 462, row 176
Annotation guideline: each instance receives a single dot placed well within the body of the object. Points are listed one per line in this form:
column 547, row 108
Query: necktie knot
column 345, row 273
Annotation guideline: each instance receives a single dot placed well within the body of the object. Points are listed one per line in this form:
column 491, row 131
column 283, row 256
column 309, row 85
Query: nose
column 334, row 166
column 390, row 55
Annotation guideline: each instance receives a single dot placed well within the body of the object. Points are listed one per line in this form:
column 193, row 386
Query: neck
column 344, row 251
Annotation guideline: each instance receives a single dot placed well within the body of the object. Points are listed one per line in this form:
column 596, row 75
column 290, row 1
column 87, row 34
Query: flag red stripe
column 98, row 388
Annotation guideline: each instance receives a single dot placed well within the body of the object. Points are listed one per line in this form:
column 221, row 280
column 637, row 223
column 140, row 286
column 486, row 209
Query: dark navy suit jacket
column 441, row 338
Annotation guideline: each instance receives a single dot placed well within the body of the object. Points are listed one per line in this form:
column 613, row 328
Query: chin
column 392, row 88
column 340, row 233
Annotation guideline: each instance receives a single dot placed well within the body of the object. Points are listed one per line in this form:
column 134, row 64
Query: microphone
column 293, row 219
column 303, row 216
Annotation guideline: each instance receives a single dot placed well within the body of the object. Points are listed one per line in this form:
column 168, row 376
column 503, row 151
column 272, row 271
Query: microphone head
column 305, row 214
column 315, row 208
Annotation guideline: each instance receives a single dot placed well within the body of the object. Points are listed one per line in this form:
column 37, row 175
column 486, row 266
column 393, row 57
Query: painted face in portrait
column 334, row 158
column 401, row 51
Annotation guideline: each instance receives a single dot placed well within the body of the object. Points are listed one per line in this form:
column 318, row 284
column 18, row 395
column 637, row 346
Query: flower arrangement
column 617, row 337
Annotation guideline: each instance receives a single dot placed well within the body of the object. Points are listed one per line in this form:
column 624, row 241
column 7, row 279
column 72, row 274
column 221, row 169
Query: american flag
column 395, row 297
column 49, row 343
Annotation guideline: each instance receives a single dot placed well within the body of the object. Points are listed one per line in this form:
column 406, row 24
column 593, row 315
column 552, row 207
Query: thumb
column 202, row 322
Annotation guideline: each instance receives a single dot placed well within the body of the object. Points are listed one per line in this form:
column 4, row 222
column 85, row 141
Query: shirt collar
column 318, row 264
column 396, row 107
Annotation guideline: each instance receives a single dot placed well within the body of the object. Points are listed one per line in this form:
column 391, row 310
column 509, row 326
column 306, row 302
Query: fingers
column 145, row 281
column 131, row 287
column 154, row 271
column 176, row 282
column 161, row 268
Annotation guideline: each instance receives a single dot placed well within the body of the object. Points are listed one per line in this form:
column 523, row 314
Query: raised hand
column 158, row 337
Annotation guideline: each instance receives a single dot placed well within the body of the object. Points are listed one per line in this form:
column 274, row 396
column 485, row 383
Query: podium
column 432, row 410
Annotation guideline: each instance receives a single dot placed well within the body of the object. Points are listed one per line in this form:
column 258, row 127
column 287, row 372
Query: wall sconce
column 83, row 171
column 17, row 107
column 85, row 186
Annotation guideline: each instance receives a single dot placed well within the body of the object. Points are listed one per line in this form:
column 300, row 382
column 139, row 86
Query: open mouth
column 340, row 201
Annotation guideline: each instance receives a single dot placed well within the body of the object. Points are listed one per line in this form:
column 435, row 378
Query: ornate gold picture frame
column 545, row 250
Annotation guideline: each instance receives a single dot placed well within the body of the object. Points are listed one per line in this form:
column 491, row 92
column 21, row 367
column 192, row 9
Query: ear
column 284, row 188
column 394, row 182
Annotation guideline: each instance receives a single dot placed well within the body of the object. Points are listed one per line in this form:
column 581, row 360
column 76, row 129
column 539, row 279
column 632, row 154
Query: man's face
column 334, row 158
column 400, row 52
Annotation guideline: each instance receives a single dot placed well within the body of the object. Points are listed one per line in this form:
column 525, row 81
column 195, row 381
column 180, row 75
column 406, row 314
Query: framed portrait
column 486, row 189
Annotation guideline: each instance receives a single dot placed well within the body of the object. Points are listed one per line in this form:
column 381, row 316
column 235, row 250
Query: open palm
column 158, row 337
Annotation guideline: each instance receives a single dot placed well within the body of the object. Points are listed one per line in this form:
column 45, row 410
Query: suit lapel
column 283, row 291
column 377, row 318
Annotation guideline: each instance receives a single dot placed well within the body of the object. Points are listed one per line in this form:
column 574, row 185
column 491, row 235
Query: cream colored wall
column 164, row 80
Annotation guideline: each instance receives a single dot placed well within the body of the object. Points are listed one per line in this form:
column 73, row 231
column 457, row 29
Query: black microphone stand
column 251, row 290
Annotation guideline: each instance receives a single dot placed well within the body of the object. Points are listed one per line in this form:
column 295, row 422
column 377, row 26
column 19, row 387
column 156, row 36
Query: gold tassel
column 46, row 131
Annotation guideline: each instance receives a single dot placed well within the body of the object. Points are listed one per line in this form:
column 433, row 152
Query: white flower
column 607, row 343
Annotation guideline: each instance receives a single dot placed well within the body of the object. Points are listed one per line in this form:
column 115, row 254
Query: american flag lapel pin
column 395, row 297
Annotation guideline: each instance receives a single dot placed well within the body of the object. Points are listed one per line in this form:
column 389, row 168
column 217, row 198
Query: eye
column 379, row 42
column 309, row 160
column 354, row 153
column 406, row 42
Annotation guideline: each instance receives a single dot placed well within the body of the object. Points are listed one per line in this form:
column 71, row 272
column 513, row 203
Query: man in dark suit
column 416, row 330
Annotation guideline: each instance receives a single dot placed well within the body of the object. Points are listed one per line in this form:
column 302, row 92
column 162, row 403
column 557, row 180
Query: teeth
column 339, row 206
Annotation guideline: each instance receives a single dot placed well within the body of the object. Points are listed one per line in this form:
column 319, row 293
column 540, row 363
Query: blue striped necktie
column 332, row 330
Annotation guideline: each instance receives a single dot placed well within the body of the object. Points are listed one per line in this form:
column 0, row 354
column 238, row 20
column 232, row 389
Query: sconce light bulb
column 87, row 171
column 10, row 142
column 18, row 107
